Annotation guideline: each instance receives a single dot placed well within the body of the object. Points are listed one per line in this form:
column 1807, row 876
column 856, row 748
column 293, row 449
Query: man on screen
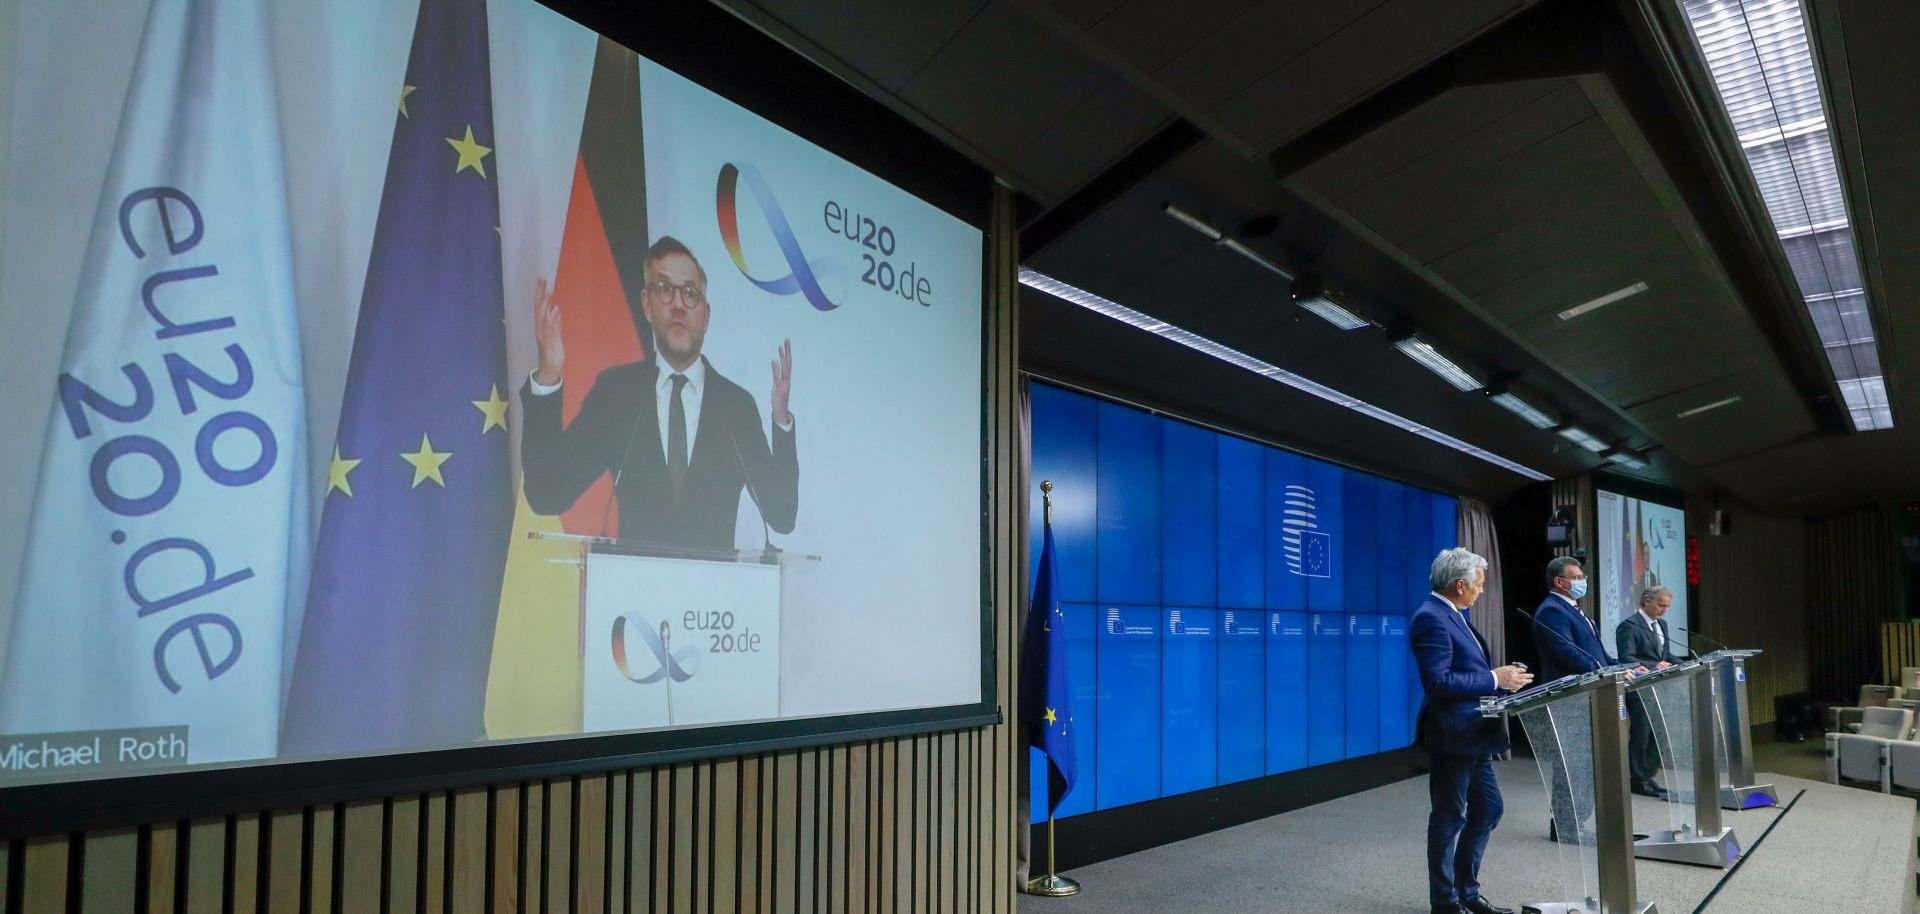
column 680, row 439
column 1642, row 639
column 1454, row 673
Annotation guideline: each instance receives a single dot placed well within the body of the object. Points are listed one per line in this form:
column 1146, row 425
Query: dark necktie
column 677, row 439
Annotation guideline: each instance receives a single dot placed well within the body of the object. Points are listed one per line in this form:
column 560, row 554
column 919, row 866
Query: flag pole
column 1052, row 885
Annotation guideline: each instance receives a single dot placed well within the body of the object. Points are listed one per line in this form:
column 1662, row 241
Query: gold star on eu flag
column 1051, row 718
column 337, row 473
column 493, row 408
column 426, row 463
column 404, row 92
column 470, row 153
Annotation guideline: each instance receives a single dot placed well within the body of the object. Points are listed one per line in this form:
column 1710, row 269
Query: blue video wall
column 1233, row 610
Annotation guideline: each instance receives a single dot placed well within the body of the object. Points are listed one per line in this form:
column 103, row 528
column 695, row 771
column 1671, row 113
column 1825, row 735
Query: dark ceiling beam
column 1158, row 151
column 1558, row 39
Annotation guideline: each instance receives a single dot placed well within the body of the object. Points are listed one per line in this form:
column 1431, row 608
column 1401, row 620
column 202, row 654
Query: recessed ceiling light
column 1603, row 301
column 1714, row 405
column 1419, row 350
column 1534, row 416
column 1310, row 293
column 1626, row 458
column 1581, row 437
column 1074, row 295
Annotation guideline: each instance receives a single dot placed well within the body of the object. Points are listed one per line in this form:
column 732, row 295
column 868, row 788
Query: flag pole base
column 1052, row 886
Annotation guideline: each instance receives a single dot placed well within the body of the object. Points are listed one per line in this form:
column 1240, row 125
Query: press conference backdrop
column 273, row 271
column 1234, row 610
column 1641, row 543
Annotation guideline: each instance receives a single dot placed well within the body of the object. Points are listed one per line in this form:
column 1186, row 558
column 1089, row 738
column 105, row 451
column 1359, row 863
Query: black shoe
column 1648, row 791
column 1448, row 909
column 1479, row 905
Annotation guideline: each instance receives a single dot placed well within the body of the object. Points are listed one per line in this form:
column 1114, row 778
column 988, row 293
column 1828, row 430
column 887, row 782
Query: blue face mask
column 1578, row 589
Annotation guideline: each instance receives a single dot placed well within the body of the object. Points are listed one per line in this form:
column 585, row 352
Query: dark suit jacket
column 618, row 431
column 1577, row 647
column 1638, row 644
column 1454, row 673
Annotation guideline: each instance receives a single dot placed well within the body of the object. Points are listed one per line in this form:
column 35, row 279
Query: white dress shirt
column 1657, row 633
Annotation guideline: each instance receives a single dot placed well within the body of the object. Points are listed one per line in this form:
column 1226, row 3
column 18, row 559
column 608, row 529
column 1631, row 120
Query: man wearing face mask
column 1569, row 643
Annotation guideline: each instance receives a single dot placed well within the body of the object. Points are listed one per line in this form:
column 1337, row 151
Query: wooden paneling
column 1753, row 593
column 1853, row 589
column 1899, row 647
column 918, row 823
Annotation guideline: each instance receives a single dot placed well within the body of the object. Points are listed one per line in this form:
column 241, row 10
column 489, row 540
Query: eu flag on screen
column 399, row 619
column 1045, row 690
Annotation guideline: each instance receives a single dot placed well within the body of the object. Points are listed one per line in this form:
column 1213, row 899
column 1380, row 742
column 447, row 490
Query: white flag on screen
column 168, row 545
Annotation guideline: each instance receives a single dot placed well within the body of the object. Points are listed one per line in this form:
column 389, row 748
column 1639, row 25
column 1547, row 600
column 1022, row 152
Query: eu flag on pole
column 406, row 577
column 1045, row 690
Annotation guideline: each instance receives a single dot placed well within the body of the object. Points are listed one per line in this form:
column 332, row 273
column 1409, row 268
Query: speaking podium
column 673, row 636
column 1682, row 707
column 1578, row 728
column 1737, row 787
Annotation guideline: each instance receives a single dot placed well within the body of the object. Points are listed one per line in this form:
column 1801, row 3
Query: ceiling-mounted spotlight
column 1419, row 350
column 1310, row 292
column 1581, row 437
column 1625, row 458
column 1506, row 400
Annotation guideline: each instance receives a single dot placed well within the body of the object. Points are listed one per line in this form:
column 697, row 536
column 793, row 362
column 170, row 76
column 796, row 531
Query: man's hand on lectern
column 1512, row 678
column 546, row 333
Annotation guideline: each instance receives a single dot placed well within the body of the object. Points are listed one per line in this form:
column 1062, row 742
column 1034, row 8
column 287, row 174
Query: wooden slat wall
column 1753, row 593
column 1851, row 583
column 1899, row 647
column 915, row 824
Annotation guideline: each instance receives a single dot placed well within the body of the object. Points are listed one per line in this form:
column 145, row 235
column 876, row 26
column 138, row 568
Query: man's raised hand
column 546, row 333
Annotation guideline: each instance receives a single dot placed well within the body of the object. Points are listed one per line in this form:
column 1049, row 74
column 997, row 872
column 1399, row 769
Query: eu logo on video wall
column 1235, row 610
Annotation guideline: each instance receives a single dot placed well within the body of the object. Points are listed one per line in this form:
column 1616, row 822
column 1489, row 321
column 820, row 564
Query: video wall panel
column 1233, row 610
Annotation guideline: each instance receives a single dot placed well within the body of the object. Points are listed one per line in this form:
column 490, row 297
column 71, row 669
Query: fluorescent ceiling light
column 1074, row 295
column 1765, row 77
column 1330, row 311
column 1421, row 351
column 1310, row 292
column 1581, row 437
column 1603, row 301
column 1318, row 304
column 1523, row 409
column 1714, row 405
column 1626, row 458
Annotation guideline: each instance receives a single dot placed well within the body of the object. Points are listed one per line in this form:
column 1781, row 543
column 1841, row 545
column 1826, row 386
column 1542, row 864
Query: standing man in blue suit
column 1571, row 643
column 1455, row 671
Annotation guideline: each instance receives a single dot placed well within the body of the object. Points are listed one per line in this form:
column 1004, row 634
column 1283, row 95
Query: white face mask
column 1577, row 589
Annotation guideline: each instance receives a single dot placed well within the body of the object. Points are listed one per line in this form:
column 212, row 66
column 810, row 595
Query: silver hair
column 1452, row 565
column 1651, row 594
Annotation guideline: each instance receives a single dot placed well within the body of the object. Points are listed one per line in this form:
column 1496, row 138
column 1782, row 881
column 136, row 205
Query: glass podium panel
column 1561, row 734
column 1669, row 707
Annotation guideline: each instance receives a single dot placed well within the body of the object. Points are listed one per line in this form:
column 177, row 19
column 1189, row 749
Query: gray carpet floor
column 1840, row 850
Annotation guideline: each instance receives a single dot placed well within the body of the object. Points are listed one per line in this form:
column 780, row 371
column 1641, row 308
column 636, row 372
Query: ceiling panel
column 1098, row 130
column 913, row 32
column 1003, row 81
column 1251, row 46
column 1386, row 43
column 1150, row 33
